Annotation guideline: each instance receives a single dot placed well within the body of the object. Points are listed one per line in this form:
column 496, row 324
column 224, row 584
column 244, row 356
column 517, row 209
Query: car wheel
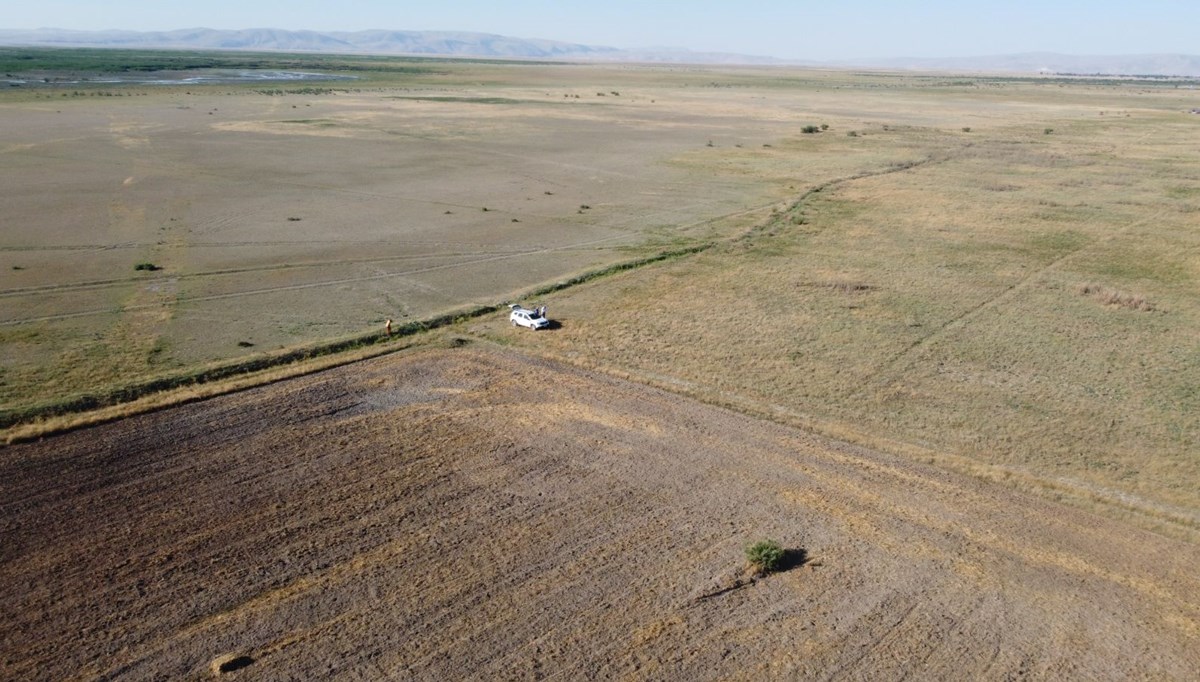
column 514, row 323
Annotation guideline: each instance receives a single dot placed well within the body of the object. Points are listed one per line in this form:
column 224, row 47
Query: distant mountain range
column 464, row 44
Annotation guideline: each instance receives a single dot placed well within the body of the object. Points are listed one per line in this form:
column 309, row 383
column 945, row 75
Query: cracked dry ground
column 475, row 513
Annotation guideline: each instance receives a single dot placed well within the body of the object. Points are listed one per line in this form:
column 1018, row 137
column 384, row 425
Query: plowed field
column 475, row 513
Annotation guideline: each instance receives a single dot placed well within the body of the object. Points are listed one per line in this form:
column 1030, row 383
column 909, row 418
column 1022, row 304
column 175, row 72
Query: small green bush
column 147, row 266
column 764, row 556
column 808, row 130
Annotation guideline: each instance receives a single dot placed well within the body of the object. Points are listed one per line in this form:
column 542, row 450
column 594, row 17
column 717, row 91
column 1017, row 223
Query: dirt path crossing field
column 474, row 513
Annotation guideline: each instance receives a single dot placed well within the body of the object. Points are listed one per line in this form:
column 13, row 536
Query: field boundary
column 1148, row 515
column 80, row 404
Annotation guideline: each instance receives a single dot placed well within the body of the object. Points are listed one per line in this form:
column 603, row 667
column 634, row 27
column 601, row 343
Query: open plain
column 938, row 335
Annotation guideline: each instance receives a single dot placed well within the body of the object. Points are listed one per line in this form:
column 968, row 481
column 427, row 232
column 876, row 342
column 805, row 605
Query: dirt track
column 475, row 513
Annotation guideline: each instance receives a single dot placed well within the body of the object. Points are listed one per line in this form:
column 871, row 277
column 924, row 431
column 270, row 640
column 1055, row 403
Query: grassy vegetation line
column 791, row 212
column 621, row 267
column 124, row 394
column 87, row 402
column 39, row 59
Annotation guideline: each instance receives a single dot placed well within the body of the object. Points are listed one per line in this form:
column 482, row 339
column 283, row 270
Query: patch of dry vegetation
column 1112, row 297
column 973, row 341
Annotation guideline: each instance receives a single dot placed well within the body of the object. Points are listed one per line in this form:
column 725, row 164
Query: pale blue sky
column 801, row 29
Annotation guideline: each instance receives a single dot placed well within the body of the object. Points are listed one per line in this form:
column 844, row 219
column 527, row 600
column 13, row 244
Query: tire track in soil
column 960, row 321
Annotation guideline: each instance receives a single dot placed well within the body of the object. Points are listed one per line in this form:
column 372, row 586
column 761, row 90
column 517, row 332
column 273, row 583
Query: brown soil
column 477, row 513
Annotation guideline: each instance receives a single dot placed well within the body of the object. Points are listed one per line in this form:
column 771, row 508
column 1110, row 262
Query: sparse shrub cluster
column 300, row 91
column 809, row 130
column 1113, row 297
column 151, row 267
column 849, row 287
column 764, row 556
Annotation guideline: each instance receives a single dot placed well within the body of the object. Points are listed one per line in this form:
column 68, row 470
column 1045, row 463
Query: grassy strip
column 791, row 210
column 620, row 267
column 129, row 393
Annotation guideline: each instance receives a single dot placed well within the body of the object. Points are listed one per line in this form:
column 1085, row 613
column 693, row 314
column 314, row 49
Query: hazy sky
column 799, row 29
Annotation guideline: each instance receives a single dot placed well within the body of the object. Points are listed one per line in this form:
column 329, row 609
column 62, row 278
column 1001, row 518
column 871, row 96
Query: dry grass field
column 1017, row 303
column 945, row 346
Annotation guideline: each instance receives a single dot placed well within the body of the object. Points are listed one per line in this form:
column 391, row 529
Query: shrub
column 966, row 129
column 764, row 556
column 808, row 130
column 1047, row 131
column 147, row 266
column 852, row 133
column 824, row 126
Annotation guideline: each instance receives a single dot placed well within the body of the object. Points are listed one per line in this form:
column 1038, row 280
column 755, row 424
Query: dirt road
column 474, row 513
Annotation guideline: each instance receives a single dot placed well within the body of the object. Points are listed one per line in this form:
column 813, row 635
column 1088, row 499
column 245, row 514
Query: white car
column 524, row 317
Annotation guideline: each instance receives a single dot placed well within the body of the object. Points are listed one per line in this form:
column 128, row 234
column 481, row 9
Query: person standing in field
column 387, row 326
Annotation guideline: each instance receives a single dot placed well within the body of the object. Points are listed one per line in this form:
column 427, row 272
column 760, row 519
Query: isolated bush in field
column 1047, row 131
column 147, row 266
column 966, row 129
column 852, row 133
column 824, row 126
column 808, row 130
column 764, row 556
